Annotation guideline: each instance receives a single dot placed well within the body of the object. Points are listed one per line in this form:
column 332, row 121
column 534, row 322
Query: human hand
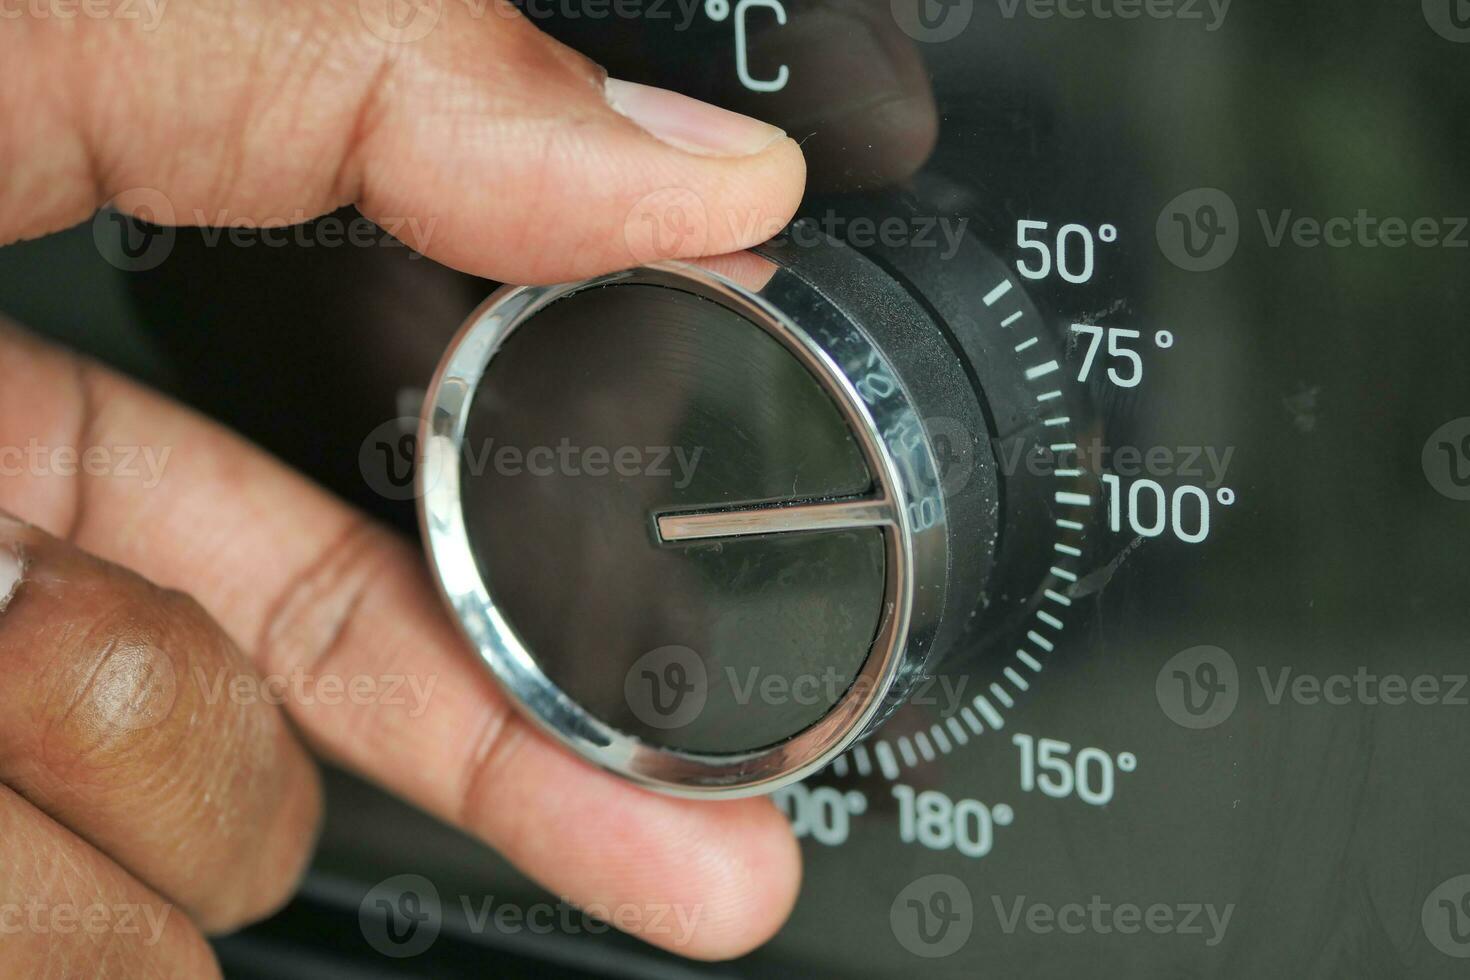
column 128, row 780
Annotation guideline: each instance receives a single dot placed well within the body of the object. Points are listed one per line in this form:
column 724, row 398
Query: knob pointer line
column 833, row 515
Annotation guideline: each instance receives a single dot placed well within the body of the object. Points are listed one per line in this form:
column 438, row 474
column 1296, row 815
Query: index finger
column 312, row 589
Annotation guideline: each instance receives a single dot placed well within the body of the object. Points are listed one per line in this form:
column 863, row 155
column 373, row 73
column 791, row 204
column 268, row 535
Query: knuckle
column 312, row 615
column 112, row 691
column 501, row 737
column 138, row 721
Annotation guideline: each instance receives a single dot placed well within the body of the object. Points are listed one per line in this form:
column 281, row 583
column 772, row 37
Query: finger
column 312, row 590
column 129, row 717
column 481, row 142
column 68, row 911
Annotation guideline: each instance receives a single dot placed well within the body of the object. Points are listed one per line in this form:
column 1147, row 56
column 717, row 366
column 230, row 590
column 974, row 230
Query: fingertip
column 287, row 854
column 707, row 880
column 712, row 207
column 786, row 182
column 559, row 174
column 765, row 880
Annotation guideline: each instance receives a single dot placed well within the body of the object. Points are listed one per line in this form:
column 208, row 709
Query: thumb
column 460, row 128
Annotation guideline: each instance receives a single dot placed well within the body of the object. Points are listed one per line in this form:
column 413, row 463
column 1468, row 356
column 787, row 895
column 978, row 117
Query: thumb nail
column 688, row 124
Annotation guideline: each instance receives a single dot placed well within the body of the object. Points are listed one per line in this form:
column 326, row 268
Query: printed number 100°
column 1150, row 509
